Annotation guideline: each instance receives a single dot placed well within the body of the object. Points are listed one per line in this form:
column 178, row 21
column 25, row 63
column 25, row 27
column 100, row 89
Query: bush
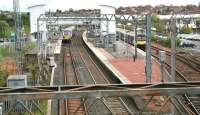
column 3, row 77
column 165, row 42
column 154, row 39
column 4, row 29
column 28, row 47
column 4, row 52
column 186, row 30
column 157, row 23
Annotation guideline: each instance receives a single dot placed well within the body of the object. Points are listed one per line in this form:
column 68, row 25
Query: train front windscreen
column 67, row 34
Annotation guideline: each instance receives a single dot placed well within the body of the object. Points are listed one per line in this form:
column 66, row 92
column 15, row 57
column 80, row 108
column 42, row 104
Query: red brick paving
column 135, row 71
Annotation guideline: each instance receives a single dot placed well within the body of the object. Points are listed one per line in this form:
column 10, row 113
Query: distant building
column 35, row 12
column 159, row 9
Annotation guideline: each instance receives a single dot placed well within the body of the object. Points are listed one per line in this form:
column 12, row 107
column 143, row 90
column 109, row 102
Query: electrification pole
column 173, row 55
column 135, row 39
column 18, row 28
column 148, row 68
column 173, row 50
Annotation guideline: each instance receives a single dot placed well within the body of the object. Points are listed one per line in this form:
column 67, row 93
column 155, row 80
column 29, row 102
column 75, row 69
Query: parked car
column 186, row 43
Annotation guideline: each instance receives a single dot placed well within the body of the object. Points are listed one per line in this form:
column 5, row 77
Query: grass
column 3, row 77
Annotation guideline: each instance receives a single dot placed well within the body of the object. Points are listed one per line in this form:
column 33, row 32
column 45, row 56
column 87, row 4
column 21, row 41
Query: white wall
column 35, row 12
column 105, row 9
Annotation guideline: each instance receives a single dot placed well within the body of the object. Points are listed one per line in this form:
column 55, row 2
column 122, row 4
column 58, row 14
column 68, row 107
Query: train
column 129, row 38
column 68, row 34
column 141, row 41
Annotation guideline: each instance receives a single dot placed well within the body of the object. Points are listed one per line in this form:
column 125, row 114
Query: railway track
column 81, row 68
column 189, row 67
column 85, row 71
column 77, row 73
column 168, row 66
column 191, row 102
column 113, row 104
column 72, row 106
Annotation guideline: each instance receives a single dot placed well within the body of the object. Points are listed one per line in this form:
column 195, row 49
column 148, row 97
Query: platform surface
column 123, row 65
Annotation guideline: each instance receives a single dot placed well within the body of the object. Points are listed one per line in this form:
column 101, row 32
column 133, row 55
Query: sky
column 90, row 4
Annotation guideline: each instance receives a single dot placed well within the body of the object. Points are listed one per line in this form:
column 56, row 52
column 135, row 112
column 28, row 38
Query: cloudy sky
column 79, row 4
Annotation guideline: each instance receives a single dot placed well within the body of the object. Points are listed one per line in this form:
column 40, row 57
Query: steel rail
column 183, row 77
column 177, row 71
column 94, row 78
column 77, row 80
column 95, row 82
column 184, row 60
column 106, row 81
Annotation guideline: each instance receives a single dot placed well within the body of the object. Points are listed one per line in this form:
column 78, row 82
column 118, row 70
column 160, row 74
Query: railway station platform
column 121, row 62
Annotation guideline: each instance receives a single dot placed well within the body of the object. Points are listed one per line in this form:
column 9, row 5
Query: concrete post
column 148, row 68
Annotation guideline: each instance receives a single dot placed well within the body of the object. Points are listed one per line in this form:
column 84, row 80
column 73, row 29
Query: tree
column 33, row 68
column 26, row 22
column 158, row 24
column 71, row 9
column 3, row 77
column 186, row 30
column 4, row 29
column 3, row 16
column 8, row 17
